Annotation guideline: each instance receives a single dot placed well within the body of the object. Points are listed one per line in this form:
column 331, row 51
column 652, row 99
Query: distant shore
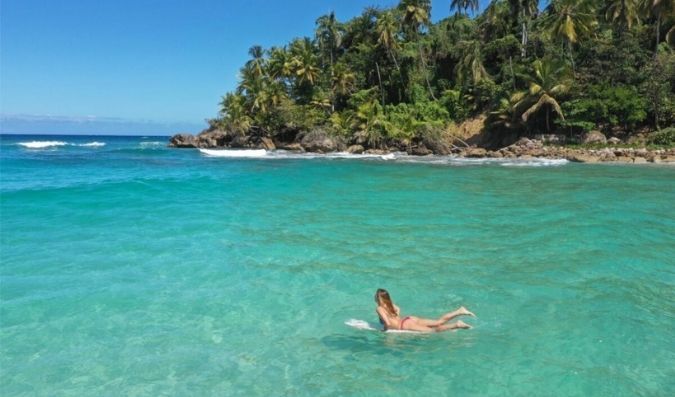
column 318, row 141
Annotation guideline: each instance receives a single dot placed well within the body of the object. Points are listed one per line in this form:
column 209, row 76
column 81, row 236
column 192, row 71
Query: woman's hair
column 383, row 298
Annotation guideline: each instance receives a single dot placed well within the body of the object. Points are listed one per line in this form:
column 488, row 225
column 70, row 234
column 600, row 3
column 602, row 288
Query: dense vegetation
column 391, row 74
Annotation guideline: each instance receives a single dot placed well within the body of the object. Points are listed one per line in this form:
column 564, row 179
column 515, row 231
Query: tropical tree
column 548, row 83
column 279, row 65
column 415, row 14
column 234, row 114
column 329, row 35
column 465, row 5
column 304, row 61
column 387, row 34
column 661, row 10
column 257, row 61
column 470, row 66
column 567, row 19
column 623, row 12
column 522, row 13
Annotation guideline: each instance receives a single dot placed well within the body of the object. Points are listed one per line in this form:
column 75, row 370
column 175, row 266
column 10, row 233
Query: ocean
column 129, row 268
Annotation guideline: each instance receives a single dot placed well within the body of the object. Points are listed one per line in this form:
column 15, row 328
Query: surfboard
column 366, row 326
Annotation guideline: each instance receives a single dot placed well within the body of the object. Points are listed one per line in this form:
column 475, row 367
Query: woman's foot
column 461, row 324
column 463, row 311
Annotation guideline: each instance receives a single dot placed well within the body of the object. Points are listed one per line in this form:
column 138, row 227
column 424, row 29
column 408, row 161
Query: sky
column 140, row 66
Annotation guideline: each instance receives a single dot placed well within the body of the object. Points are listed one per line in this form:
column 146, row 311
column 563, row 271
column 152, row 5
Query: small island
column 582, row 80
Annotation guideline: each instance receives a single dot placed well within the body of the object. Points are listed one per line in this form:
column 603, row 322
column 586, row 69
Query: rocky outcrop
column 321, row 141
column 355, row 149
column 594, row 137
column 183, row 141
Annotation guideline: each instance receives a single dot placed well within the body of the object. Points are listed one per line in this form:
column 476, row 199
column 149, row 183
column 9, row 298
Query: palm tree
column 623, row 12
column 465, row 5
column 415, row 14
column 567, row 19
column 257, row 61
column 471, row 63
column 661, row 10
column 387, row 34
column 233, row 111
column 329, row 35
column 304, row 61
column 549, row 82
column 279, row 65
column 522, row 12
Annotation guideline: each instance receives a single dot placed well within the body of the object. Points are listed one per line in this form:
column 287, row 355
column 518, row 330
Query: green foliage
column 392, row 74
column 665, row 137
column 619, row 106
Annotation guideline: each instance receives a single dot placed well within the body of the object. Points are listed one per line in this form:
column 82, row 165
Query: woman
column 390, row 317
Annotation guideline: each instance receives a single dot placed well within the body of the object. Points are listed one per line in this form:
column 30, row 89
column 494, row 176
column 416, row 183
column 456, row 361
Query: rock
column 376, row 151
column 183, row 141
column 213, row 138
column 594, row 137
column 296, row 147
column 475, row 152
column 583, row 158
column 267, row 144
column 624, row 159
column 497, row 154
column 551, row 138
column 320, row 140
column 355, row 149
column 420, row 150
column 640, row 160
column 668, row 159
column 240, row 141
column 614, row 140
column 437, row 145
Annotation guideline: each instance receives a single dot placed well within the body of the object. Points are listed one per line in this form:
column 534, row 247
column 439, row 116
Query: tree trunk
column 424, row 70
column 379, row 79
column 658, row 33
column 569, row 48
column 523, row 41
column 513, row 75
column 548, row 126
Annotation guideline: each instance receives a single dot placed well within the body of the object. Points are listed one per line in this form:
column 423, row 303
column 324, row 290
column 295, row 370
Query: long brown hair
column 383, row 298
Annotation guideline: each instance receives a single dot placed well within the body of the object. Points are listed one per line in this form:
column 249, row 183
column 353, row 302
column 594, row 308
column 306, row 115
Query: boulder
column 213, row 138
column 240, row 141
column 419, row 150
column 267, row 144
column 614, row 140
column 296, row 147
column 355, row 149
column 475, row 152
column 320, row 140
column 640, row 160
column 379, row 152
column 436, row 144
column 183, row 141
column 594, row 137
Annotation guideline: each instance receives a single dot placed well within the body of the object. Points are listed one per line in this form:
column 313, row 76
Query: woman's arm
column 398, row 310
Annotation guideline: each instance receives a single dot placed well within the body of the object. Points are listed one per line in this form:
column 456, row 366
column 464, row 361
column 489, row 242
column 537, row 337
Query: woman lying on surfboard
column 390, row 317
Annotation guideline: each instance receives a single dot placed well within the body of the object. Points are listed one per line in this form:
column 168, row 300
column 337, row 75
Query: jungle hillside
column 391, row 77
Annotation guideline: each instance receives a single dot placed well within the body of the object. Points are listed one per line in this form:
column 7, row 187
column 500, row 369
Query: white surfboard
column 366, row 326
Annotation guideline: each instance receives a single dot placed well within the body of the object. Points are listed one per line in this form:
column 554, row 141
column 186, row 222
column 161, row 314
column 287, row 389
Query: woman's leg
column 457, row 325
column 444, row 318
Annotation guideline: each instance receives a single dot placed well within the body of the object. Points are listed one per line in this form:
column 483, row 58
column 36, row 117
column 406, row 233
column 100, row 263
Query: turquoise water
column 133, row 269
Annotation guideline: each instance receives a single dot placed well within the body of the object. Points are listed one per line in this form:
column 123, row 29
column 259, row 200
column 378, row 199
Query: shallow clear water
column 133, row 269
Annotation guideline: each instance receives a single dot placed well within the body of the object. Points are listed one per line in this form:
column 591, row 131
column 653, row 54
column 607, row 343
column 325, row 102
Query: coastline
column 523, row 149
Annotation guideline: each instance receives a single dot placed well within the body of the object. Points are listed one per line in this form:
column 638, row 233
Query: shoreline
column 523, row 149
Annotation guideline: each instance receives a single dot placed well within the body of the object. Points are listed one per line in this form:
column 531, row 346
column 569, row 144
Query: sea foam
column 41, row 144
column 52, row 144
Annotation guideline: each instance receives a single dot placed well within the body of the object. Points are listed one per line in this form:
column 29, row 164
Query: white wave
column 152, row 143
column 41, row 144
column 245, row 153
column 92, row 144
column 536, row 162
column 395, row 156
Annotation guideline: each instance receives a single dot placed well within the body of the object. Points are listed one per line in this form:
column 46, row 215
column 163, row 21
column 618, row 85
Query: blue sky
column 141, row 66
